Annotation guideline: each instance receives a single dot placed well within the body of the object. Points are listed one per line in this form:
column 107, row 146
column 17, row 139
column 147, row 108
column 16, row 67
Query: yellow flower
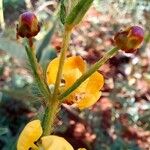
column 53, row 142
column 88, row 92
column 32, row 132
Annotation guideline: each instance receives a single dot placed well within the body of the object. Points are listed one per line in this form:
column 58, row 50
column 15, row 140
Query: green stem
column 66, row 39
column 87, row 74
column 52, row 109
column 49, row 117
column 38, row 74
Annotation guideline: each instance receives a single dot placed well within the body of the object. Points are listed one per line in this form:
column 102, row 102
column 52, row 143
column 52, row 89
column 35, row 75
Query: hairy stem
column 38, row 73
column 49, row 118
column 66, row 39
column 52, row 109
column 87, row 74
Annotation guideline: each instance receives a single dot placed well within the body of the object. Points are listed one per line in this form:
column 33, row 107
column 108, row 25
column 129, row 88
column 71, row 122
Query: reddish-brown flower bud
column 28, row 25
column 130, row 39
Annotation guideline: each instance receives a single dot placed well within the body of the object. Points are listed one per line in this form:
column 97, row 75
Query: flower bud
column 28, row 25
column 130, row 39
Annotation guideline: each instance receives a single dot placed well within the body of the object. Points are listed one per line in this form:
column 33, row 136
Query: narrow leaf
column 45, row 41
column 78, row 12
column 62, row 12
column 48, row 55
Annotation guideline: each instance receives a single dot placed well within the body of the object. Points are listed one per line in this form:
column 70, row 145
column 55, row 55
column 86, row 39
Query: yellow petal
column 73, row 63
column 53, row 142
column 88, row 100
column 95, row 83
column 52, row 70
column 71, row 76
column 30, row 134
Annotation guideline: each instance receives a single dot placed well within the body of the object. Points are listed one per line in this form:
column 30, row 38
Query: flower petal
column 95, row 83
column 75, row 62
column 74, row 67
column 71, row 76
column 88, row 100
column 92, row 93
column 52, row 70
column 29, row 135
column 53, row 142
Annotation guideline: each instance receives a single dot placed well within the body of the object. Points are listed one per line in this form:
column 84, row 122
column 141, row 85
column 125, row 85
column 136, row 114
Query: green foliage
column 72, row 12
column 62, row 12
column 46, row 40
column 123, row 93
column 78, row 12
column 47, row 55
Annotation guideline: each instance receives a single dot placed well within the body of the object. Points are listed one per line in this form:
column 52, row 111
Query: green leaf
column 12, row 47
column 62, row 12
column 47, row 56
column 45, row 41
column 78, row 12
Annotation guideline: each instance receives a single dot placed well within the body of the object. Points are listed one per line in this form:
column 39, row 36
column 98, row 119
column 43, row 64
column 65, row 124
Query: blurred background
column 120, row 120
